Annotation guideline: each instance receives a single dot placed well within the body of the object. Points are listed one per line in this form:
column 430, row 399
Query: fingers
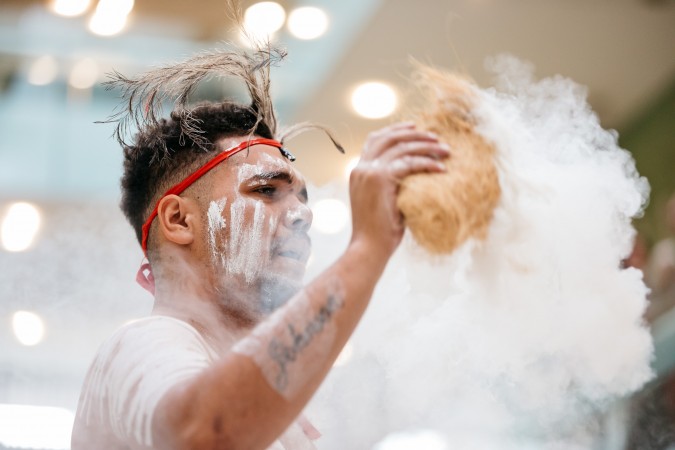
column 410, row 165
column 390, row 137
column 401, row 149
column 435, row 150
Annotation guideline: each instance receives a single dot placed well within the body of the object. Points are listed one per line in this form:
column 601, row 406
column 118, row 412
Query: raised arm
column 254, row 393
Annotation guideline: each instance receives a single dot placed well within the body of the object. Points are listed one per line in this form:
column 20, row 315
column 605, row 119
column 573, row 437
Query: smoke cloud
column 522, row 340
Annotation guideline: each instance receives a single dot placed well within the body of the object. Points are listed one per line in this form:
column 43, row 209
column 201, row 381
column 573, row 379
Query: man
column 235, row 347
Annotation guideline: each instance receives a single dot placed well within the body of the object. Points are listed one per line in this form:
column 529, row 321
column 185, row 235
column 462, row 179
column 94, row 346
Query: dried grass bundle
column 444, row 210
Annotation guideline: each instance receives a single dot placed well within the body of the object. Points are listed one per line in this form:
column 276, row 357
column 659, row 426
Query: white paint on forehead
column 266, row 163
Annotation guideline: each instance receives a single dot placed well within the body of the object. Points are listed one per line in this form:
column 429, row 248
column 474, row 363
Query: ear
column 177, row 219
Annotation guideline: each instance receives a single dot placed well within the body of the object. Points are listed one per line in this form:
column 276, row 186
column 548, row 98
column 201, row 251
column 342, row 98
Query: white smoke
column 523, row 340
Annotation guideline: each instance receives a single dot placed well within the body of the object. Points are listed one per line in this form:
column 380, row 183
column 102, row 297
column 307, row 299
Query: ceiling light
column 262, row 19
column 350, row 165
column 110, row 17
column 43, row 70
column 374, row 100
column 307, row 22
column 28, row 327
column 115, row 7
column 84, row 74
column 19, row 227
column 330, row 215
column 107, row 25
column 70, row 8
column 36, row 427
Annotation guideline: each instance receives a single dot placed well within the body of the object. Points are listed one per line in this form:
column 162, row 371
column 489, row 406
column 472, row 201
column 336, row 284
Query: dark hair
column 161, row 155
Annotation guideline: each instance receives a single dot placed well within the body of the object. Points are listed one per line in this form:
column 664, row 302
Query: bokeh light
column 43, row 71
column 263, row 19
column 35, row 427
column 19, row 227
column 307, row 22
column 345, row 355
column 418, row 439
column 110, row 17
column 330, row 215
column 84, row 74
column 374, row 100
column 28, row 327
column 70, row 8
column 350, row 165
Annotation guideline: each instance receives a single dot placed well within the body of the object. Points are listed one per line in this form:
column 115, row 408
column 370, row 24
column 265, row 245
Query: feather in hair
column 144, row 95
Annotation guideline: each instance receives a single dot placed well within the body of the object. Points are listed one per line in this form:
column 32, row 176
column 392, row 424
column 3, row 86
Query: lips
column 291, row 254
column 296, row 248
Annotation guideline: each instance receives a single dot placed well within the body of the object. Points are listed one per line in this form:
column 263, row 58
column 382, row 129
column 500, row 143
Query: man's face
column 256, row 229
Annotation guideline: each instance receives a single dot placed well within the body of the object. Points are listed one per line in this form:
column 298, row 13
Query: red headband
column 180, row 187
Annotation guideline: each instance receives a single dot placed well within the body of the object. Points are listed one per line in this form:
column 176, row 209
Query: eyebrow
column 280, row 175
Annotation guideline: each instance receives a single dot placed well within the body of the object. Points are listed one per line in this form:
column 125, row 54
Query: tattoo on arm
column 284, row 353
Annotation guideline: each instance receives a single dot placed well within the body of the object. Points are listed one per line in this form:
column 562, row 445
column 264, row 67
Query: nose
column 299, row 216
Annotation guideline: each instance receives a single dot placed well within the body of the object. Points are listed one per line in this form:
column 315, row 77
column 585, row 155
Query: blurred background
column 68, row 259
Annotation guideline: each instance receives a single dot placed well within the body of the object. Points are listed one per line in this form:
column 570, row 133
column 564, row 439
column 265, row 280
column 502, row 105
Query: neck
column 187, row 295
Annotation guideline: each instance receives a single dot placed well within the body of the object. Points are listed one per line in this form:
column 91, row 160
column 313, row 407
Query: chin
column 276, row 290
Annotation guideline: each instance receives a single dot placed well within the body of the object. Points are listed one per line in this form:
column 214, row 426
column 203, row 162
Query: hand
column 389, row 155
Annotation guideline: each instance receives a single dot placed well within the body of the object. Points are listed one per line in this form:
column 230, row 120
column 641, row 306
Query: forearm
column 257, row 390
column 298, row 344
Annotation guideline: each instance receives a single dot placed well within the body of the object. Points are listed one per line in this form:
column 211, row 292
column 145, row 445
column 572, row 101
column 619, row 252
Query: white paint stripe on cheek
column 246, row 243
column 234, row 244
column 216, row 223
column 254, row 244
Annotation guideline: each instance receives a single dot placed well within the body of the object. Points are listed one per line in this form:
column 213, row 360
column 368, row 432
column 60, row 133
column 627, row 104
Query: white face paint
column 216, row 224
column 245, row 243
column 258, row 253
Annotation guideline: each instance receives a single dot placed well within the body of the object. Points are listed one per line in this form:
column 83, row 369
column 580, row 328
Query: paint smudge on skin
column 245, row 243
column 217, row 223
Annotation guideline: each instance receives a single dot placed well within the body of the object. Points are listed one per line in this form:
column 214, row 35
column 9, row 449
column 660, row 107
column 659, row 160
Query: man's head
column 188, row 224
column 162, row 155
column 255, row 228
column 242, row 225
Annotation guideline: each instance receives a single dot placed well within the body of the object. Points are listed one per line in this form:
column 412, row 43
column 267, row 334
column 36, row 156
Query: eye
column 266, row 190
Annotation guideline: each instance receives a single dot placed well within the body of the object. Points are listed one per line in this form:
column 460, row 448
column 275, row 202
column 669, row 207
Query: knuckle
column 373, row 135
column 403, row 147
